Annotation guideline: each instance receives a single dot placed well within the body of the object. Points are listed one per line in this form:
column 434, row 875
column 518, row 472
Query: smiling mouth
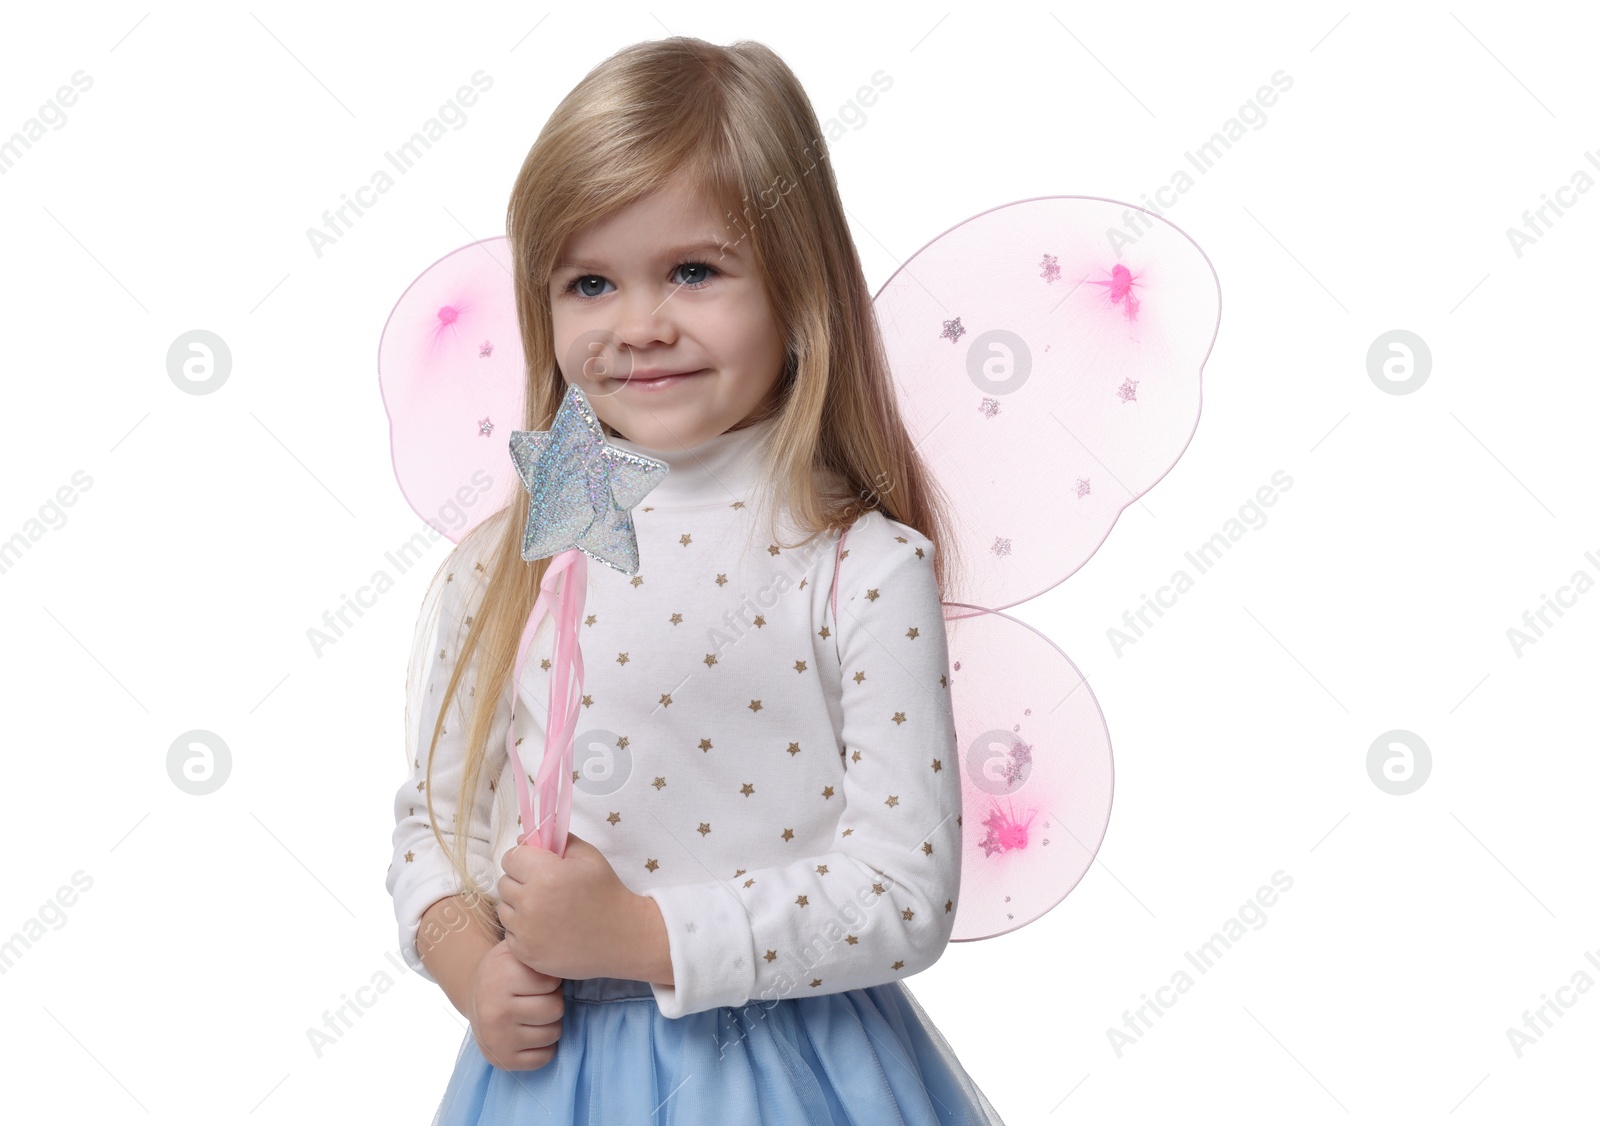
column 661, row 383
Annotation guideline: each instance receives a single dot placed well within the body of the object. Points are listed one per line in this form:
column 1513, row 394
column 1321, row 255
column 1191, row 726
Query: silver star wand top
column 581, row 489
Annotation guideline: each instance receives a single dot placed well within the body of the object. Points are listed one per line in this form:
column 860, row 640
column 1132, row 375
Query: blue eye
column 578, row 286
column 710, row 272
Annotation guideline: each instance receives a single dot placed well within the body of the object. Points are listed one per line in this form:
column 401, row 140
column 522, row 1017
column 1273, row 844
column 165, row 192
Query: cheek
column 563, row 336
column 757, row 338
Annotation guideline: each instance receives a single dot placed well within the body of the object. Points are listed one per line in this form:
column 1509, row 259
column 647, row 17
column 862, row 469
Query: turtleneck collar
column 719, row 470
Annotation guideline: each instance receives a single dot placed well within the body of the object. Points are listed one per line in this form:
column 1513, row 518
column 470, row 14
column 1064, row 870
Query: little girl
column 766, row 812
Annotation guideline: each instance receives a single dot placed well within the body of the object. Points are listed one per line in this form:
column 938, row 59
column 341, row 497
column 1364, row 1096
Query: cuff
column 412, row 899
column 712, row 949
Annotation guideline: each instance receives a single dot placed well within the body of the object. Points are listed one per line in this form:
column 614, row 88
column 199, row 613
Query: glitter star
column 953, row 330
column 581, row 489
column 485, row 427
column 1049, row 271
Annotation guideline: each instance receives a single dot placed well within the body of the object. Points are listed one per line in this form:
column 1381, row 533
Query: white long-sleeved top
column 783, row 784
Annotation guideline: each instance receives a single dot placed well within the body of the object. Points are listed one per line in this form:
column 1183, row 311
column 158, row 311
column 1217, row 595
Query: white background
column 218, row 529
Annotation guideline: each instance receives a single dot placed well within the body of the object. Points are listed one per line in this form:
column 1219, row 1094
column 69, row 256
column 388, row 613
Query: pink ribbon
column 561, row 595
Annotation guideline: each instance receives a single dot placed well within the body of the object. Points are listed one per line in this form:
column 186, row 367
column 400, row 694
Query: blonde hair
column 735, row 120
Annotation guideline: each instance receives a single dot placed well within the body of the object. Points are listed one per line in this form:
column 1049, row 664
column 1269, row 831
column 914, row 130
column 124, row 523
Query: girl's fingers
column 535, row 1012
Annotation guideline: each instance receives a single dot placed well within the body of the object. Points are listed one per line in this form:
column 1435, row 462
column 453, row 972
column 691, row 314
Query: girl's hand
column 516, row 1011
column 567, row 915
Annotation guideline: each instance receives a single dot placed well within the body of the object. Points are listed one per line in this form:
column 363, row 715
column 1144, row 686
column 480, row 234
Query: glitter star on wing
column 581, row 490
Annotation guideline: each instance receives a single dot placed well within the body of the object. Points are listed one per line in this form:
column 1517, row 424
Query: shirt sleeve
column 420, row 873
column 881, row 904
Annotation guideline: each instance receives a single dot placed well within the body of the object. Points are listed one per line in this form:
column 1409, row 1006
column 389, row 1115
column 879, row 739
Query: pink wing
column 450, row 371
column 1050, row 376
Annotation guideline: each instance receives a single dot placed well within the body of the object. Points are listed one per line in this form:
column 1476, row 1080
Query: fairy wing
column 1047, row 355
column 1047, row 361
column 450, row 372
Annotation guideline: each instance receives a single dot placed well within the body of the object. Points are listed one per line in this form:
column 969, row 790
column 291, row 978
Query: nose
column 643, row 318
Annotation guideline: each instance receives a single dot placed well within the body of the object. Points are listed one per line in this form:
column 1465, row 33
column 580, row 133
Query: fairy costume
column 796, row 894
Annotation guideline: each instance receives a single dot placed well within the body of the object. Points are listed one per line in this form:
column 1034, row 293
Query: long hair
column 735, row 120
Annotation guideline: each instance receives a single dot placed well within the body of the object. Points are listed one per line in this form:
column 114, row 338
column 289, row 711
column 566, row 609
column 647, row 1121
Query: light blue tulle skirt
column 864, row 1056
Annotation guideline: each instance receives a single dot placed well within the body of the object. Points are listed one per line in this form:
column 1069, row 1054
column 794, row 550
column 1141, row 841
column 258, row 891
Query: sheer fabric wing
column 1049, row 373
column 450, row 369
column 1047, row 355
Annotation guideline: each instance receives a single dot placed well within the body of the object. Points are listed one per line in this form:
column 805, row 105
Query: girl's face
column 666, row 286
